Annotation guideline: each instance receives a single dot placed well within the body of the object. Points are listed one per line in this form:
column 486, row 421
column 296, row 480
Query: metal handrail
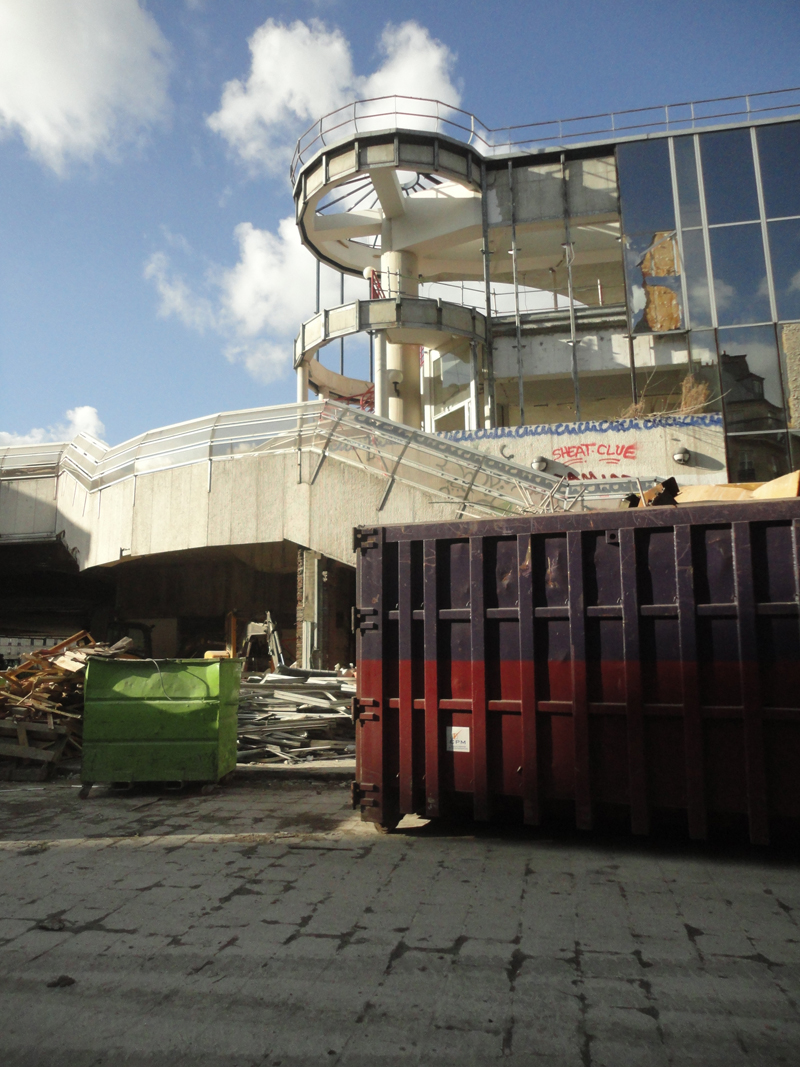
column 466, row 127
column 442, row 467
column 96, row 466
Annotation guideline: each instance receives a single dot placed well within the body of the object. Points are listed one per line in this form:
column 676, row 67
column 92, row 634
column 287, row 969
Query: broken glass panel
column 645, row 187
column 592, row 187
column 694, row 265
column 538, row 193
column 729, row 176
column 654, row 287
column 740, row 275
column 779, row 152
column 751, row 380
column 757, row 457
column 784, row 250
column 688, row 191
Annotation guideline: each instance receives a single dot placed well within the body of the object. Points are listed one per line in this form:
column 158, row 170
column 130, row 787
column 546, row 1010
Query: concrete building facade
column 557, row 317
column 653, row 270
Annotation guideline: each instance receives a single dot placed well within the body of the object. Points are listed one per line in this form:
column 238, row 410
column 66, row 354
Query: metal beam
column 389, row 191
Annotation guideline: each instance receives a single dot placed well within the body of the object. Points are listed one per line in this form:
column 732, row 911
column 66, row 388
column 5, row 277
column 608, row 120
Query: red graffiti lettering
column 605, row 452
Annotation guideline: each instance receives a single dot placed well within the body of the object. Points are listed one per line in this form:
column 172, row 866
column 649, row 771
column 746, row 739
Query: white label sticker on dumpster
column 457, row 738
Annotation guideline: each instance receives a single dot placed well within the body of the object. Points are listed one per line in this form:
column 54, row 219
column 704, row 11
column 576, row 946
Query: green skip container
column 159, row 721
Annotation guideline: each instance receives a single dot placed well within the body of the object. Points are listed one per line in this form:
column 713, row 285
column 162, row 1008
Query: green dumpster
column 159, row 720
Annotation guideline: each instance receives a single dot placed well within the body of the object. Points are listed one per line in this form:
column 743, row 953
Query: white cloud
column 273, row 284
column 177, row 298
column 415, row 64
column 723, row 293
column 82, row 419
column 257, row 305
column 264, row 361
column 298, row 73
column 79, row 78
column 794, row 284
column 303, row 71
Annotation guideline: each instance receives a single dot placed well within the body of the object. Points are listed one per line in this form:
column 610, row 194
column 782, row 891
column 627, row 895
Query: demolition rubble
column 288, row 716
column 41, row 705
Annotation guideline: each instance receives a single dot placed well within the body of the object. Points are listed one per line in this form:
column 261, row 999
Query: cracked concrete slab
column 266, row 926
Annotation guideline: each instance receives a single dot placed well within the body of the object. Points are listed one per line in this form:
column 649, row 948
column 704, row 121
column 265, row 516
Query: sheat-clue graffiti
column 602, row 451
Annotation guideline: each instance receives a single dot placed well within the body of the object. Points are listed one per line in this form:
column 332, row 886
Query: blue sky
column 148, row 273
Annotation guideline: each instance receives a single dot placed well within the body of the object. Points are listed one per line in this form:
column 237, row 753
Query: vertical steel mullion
column 580, row 707
column 637, row 768
column 679, row 237
column 479, row 741
column 692, row 721
column 762, row 213
column 487, row 285
column 517, row 323
column 752, row 727
column 701, row 193
column 632, row 362
column 406, row 702
column 527, row 683
column 569, row 256
column 431, row 626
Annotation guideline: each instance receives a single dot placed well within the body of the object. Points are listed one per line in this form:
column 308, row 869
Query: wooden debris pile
column 41, row 705
column 290, row 718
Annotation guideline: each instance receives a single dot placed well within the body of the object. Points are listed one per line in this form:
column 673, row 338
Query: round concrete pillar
column 382, row 386
column 399, row 278
column 302, row 383
column 399, row 274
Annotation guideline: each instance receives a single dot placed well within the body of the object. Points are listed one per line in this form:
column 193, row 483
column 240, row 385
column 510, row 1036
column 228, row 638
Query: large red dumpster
column 644, row 661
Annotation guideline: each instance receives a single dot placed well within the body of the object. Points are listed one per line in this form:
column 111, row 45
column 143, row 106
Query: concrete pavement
column 266, row 926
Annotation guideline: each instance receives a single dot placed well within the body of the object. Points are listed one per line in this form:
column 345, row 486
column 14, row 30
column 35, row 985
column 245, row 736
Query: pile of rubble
column 294, row 716
column 41, row 705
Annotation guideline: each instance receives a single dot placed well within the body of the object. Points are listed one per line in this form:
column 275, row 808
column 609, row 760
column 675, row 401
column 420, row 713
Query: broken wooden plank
column 27, row 752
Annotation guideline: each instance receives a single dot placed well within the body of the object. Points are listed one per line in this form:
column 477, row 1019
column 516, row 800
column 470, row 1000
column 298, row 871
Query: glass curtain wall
column 711, row 235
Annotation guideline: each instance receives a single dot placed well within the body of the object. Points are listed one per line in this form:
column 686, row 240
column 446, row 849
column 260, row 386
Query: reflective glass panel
column 694, row 264
column 757, row 458
column 704, row 367
column 688, row 192
column 789, row 337
column 794, row 451
column 740, row 275
column 652, row 269
column 784, row 250
column 645, row 186
column 751, row 382
column 729, row 176
column 779, row 152
column 451, row 379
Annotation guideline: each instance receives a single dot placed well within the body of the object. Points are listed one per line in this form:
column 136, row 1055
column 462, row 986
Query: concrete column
column 302, row 383
column 399, row 278
column 310, row 609
column 381, row 380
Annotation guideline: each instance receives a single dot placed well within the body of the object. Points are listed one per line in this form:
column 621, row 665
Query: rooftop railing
column 433, row 116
